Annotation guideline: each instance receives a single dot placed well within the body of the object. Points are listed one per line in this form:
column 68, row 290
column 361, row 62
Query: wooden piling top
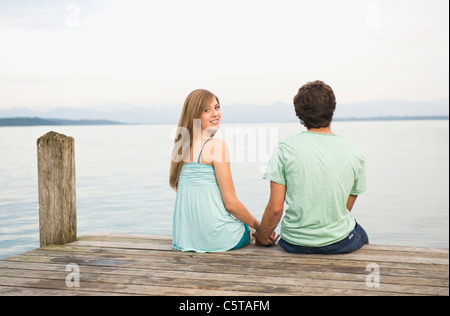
column 122, row 264
column 57, row 189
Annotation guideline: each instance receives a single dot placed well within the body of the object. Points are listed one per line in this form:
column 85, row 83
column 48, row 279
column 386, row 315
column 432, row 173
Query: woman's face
column 210, row 118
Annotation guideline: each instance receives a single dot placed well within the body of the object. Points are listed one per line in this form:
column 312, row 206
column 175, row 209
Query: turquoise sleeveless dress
column 201, row 222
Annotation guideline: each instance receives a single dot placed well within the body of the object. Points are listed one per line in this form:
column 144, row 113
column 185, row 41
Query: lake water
column 122, row 178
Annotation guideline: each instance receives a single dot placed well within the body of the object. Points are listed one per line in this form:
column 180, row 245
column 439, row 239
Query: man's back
column 320, row 171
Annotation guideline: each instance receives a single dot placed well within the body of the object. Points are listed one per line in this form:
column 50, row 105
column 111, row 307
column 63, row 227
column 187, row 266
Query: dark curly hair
column 315, row 104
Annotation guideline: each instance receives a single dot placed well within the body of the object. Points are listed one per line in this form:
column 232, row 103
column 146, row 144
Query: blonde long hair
column 195, row 104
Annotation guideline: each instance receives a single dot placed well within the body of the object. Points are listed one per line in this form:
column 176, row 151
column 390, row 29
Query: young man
column 320, row 175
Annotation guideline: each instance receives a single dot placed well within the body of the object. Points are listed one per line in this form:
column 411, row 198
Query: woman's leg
column 246, row 238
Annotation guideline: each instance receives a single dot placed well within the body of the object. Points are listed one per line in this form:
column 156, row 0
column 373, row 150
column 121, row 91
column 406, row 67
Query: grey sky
column 88, row 53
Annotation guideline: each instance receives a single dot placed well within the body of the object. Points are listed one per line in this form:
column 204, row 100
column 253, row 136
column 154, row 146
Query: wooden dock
column 120, row 264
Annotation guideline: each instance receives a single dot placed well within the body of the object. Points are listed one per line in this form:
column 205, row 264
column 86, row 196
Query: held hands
column 261, row 241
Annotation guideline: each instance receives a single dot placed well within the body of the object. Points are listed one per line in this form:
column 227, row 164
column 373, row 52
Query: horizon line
column 128, row 106
column 37, row 121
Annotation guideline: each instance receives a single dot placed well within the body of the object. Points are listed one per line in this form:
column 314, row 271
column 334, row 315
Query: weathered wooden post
column 57, row 192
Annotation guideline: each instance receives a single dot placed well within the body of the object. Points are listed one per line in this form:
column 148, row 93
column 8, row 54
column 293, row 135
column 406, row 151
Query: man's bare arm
column 272, row 215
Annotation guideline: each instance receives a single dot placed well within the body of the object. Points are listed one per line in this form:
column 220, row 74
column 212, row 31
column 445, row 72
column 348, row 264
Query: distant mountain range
column 36, row 121
column 235, row 113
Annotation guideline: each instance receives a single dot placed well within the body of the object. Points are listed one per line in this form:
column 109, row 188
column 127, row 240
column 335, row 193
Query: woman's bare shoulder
column 216, row 142
column 217, row 150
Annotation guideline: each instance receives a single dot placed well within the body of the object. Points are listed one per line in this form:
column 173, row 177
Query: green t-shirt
column 320, row 171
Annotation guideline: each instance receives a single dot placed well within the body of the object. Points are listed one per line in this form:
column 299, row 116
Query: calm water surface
column 122, row 178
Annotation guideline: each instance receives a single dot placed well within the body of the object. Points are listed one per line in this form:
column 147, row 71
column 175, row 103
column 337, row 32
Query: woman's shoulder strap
column 201, row 149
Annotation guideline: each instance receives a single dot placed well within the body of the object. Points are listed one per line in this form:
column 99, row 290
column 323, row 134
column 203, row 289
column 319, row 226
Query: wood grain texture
column 122, row 264
column 57, row 191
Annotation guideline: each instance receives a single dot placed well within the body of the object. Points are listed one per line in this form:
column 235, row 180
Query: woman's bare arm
column 217, row 153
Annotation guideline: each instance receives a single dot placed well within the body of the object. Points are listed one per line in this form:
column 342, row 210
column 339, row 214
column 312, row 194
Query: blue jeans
column 354, row 241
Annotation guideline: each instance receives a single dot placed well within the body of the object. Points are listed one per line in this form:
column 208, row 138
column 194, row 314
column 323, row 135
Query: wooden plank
column 25, row 291
column 365, row 254
column 149, row 285
column 202, row 266
column 145, row 265
column 162, row 256
column 224, row 281
column 323, row 263
column 164, row 242
column 123, row 288
column 128, row 270
column 360, row 275
column 211, row 262
column 167, row 239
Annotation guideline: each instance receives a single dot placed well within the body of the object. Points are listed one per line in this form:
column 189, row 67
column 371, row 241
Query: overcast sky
column 89, row 53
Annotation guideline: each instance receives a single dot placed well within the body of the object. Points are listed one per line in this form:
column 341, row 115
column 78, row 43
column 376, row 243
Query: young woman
column 208, row 216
